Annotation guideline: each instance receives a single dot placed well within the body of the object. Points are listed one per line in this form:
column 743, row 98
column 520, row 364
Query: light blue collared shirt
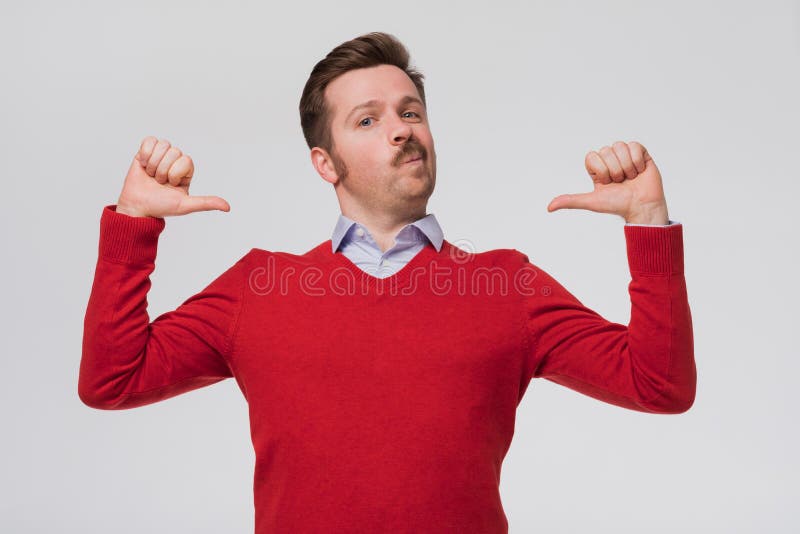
column 357, row 244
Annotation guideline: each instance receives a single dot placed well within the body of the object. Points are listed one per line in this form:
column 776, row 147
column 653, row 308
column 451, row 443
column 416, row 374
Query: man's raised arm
column 128, row 361
column 648, row 365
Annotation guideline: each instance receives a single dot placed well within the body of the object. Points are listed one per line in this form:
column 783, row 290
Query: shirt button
column 360, row 232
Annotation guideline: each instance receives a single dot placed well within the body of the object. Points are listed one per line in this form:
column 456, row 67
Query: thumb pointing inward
column 571, row 201
column 204, row 203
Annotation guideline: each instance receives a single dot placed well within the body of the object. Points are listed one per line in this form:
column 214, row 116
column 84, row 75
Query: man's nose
column 399, row 130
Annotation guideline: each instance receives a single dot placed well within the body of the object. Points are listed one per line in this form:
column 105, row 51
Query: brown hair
column 368, row 50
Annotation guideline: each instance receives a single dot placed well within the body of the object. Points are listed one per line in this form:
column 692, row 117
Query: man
column 383, row 367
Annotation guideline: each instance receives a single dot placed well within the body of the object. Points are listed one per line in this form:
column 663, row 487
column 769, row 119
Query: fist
column 157, row 183
column 626, row 183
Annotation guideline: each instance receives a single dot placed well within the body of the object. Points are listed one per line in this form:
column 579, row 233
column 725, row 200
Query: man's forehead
column 376, row 85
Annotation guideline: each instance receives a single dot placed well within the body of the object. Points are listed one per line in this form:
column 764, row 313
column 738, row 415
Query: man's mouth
column 413, row 158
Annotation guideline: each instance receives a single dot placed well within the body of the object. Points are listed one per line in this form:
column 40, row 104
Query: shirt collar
column 427, row 225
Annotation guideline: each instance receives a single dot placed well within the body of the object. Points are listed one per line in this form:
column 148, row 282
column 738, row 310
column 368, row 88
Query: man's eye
column 363, row 121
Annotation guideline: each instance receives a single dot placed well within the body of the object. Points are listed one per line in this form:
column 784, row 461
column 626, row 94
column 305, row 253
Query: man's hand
column 626, row 183
column 157, row 184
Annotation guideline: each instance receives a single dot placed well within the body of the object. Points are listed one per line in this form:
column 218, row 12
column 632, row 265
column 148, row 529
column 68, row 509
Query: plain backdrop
column 518, row 93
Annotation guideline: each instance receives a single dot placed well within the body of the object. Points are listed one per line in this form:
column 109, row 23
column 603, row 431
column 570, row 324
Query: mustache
column 410, row 148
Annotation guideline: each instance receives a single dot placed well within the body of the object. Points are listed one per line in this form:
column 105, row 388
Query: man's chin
column 420, row 180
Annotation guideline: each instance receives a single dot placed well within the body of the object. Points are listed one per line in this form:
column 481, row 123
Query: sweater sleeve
column 128, row 361
column 647, row 365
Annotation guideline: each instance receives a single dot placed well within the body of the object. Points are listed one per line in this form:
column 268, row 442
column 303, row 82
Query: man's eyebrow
column 376, row 103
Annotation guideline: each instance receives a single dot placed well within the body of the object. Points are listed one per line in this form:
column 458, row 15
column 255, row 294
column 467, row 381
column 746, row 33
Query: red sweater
column 383, row 405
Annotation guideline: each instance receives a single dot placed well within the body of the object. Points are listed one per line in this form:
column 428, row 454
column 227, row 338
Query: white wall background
column 518, row 92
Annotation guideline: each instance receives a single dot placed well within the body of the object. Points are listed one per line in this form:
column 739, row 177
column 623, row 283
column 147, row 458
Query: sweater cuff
column 128, row 239
column 655, row 249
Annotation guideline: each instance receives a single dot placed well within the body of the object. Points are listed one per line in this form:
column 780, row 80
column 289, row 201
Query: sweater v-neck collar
column 421, row 258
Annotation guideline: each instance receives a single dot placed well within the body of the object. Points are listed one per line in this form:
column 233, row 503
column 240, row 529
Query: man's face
column 378, row 123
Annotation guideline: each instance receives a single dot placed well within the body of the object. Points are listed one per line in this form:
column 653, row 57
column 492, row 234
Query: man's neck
column 384, row 226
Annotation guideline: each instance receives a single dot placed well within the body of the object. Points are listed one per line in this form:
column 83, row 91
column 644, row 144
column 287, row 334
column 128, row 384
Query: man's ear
column 324, row 164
